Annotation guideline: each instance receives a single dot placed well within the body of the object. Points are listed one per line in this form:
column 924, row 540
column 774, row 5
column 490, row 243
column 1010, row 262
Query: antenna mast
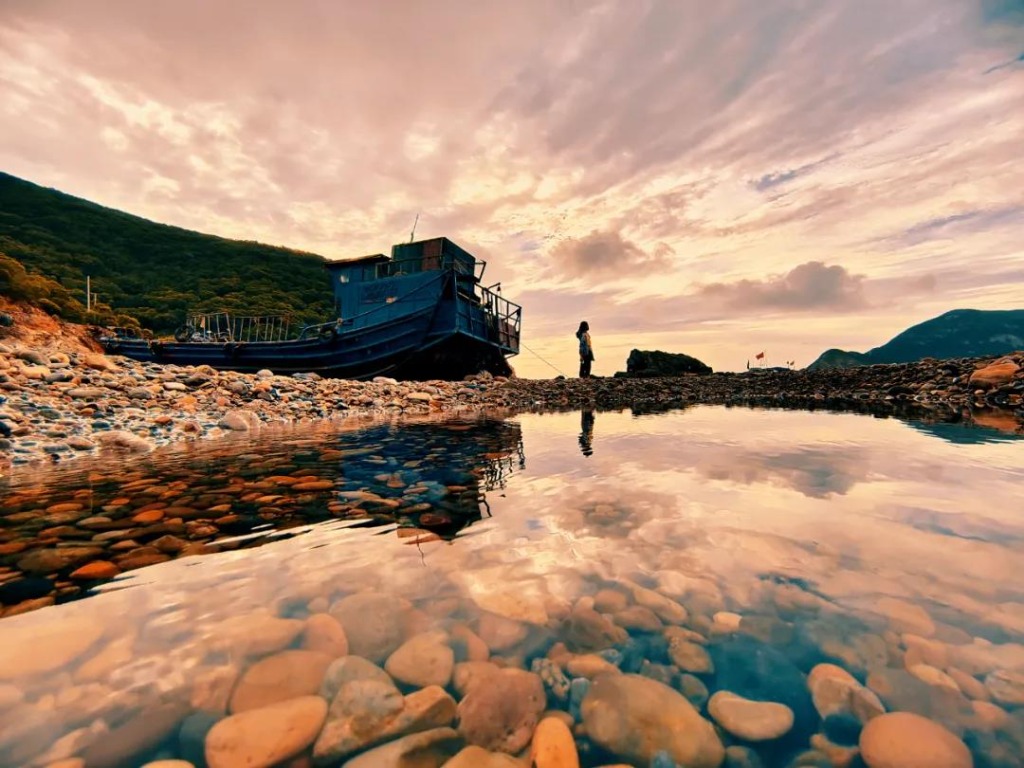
column 412, row 234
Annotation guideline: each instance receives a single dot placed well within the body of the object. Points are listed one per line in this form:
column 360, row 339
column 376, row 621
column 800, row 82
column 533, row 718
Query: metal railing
column 225, row 327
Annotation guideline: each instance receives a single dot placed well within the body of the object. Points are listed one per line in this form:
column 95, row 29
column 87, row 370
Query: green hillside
column 957, row 333
column 154, row 272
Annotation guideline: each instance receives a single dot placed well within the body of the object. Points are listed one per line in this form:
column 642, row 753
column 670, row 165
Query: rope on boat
column 555, row 367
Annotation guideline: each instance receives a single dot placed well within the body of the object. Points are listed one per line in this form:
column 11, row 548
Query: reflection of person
column 586, row 349
column 586, row 431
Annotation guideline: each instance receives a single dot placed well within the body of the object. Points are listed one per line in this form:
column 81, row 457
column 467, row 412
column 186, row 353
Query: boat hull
column 452, row 357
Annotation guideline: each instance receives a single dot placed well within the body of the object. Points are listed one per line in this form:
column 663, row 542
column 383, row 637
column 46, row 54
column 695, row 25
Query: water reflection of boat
column 422, row 313
column 433, row 477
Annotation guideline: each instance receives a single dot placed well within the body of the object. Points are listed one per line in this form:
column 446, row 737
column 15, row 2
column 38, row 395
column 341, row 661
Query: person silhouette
column 587, row 431
column 586, row 349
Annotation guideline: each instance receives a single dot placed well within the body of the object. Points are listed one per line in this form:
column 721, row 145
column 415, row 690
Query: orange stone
column 149, row 516
column 67, row 506
column 97, row 569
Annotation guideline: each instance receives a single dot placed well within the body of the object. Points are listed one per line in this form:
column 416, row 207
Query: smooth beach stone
column 500, row 712
column 836, row 691
column 467, row 644
column 906, row 740
column 638, row 619
column 906, row 617
column 690, row 657
column 586, row 631
column 1006, row 687
column 929, row 674
column 901, row 691
column 348, row 669
column 553, row 745
column 285, row 675
column 971, row 687
column 137, row 735
column 665, row 608
column 500, row 633
column 635, row 718
column 757, row 671
column 323, row 634
column 590, row 665
column 468, row 674
column 423, row 660
column 372, row 623
column 256, row 634
column 261, row 738
column 610, row 601
column 478, row 757
column 366, row 713
column 429, row 749
column 750, row 720
column 926, row 650
column 29, row 648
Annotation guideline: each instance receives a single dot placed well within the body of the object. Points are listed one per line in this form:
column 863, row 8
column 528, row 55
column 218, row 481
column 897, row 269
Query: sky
column 716, row 179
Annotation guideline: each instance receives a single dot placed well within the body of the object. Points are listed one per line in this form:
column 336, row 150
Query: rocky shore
column 59, row 399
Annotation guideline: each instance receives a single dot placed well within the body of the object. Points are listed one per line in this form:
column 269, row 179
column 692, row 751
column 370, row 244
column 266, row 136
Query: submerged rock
column 906, row 740
column 635, row 718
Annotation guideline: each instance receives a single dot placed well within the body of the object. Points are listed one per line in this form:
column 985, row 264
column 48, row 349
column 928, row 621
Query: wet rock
column 835, row 691
column 239, row 421
column 348, row 669
column 500, row 633
column 994, row 375
column 430, row 749
column 41, row 561
column 261, row 738
column 756, row 671
column 750, row 720
column 323, row 634
column 285, row 675
column 372, row 623
column 587, row 630
column 905, row 616
column 135, row 736
column 120, row 438
column 553, row 745
column 97, row 569
column 255, row 634
column 423, row 660
column 367, row 712
column 906, row 740
column 1006, row 687
column 635, row 718
column 478, row 757
column 34, row 649
column 554, row 679
column 900, row 690
column 741, row 757
column 500, row 712
column 690, row 657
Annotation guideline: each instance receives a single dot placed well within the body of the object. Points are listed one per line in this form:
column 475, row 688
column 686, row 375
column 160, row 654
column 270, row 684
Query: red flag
column 759, row 356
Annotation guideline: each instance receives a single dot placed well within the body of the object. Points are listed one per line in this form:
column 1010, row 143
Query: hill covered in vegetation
column 152, row 272
column 958, row 333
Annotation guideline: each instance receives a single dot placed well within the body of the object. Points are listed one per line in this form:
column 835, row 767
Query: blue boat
column 420, row 313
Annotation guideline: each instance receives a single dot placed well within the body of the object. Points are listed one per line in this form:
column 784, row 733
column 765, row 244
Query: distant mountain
column 152, row 272
column 958, row 333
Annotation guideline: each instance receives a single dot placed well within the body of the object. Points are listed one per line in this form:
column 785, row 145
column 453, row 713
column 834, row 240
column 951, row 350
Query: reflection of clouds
column 812, row 472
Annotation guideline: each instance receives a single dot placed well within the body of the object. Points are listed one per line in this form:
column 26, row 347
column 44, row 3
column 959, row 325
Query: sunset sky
column 710, row 178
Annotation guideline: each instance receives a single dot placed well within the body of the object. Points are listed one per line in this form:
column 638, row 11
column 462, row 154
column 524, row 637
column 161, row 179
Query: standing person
column 586, row 349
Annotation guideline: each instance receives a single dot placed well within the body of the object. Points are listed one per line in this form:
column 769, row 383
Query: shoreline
column 69, row 401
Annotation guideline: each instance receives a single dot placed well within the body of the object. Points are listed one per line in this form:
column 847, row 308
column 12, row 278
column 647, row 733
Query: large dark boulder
column 642, row 365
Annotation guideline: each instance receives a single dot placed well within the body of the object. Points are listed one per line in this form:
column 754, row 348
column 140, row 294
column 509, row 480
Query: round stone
column 906, row 740
column 553, row 745
column 260, row 738
column 423, row 660
column 750, row 720
column 283, row 676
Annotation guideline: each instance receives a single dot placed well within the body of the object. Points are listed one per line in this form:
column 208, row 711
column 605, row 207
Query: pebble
column 906, row 740
column 261, row 738
column 553, row 745
column 501, row 713
column 285, row 675
column 635, row 718
column 750, row 720
column 424, row 660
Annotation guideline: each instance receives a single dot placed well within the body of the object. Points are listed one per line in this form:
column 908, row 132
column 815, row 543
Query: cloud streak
column 677, row 170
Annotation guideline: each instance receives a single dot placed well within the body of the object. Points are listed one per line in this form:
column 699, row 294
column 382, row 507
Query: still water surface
column 891, row 549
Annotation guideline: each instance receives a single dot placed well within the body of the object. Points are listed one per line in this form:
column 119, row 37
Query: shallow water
column 890, row 548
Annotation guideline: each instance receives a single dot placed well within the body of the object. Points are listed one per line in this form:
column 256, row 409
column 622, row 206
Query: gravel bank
column 66, row 401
